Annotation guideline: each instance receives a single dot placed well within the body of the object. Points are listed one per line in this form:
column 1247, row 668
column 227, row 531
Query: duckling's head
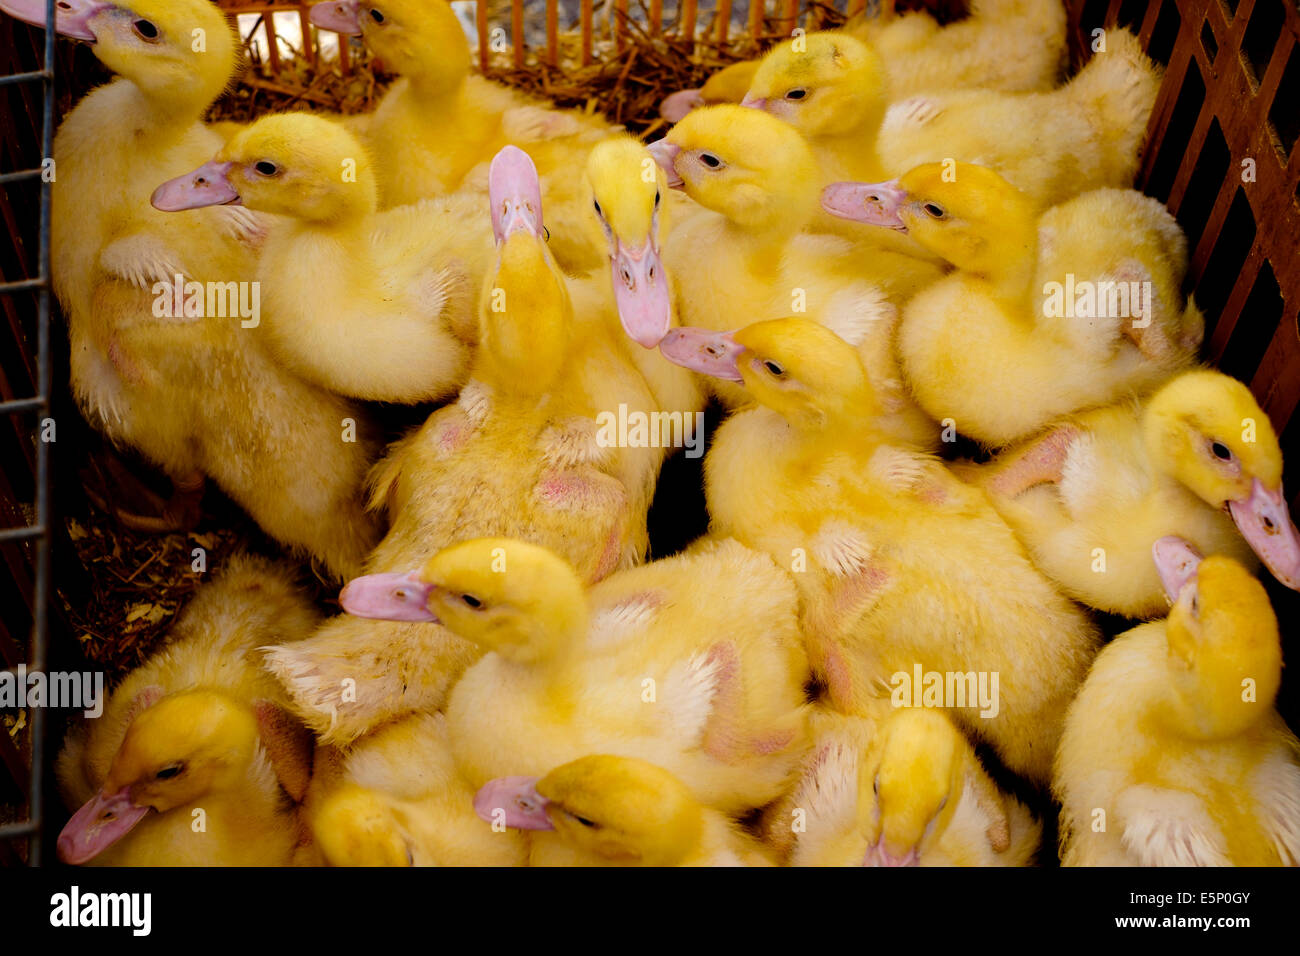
column 519, row 599
column 525, row 307
column 618, row 808
column 629, row 188
column 293, row 164
column 916, row 779
column 967, row 214
column 175, row 752
column 1206, row 430
column 823, row 84
column 179, row 52
column 745, row 164
column 802, row 370
column 418, row 39
column 1225, row 655
column 516, row 598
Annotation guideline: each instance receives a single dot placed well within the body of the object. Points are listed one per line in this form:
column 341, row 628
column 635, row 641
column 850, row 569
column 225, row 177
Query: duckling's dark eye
column 166, row 773
column 267, row 168
column 796, row 94
column 1221, row 451
column 585, row 822
column 776, row 368
column 471, row 601
column 146, row 30
column 656, row 199
column 934, row 210
column 875, row 785
column 377, row 16
column 708, row 159
column 596, row 203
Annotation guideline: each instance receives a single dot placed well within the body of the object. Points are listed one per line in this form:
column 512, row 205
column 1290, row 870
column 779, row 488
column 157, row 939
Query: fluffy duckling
column 395, row 799
column 520, row 453
column 438, row 123
column 1173, row 754
column 195, row 760
column 196, row 394
column 746, row 261
column 1083, row 136
column 637, row 212
column 905, row 790
column 616, row 811
column 900, row 566
column 1199, row 459
column 977, row 344
column 1010, row 45
column 693, row 663
column 369, row 305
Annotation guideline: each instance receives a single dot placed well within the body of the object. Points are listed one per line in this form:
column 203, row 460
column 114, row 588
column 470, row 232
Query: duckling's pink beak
column 208, row 185
column 754, row 102
column 102, row 821
column 709, row 353
column 341, row 16
column 878, row 855
column 388, row 597
column 641, row 292
column 515, row 192
column 515, row 802
column 675, row 106
column 1176, row 561
column 1265, row 522
column 665, row 154
column 875, row 204
column 71, row 17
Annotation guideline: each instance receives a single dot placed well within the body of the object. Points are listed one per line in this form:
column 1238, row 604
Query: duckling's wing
column 143, row 259
column 1277, row 787
column 1165, row 827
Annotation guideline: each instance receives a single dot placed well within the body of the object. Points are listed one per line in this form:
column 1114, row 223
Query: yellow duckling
column 693, row 663
column 195, row 761
column 995, row 347
column 396, row 799
column 1085, row 135
column 1090, row 496
column 1173, row 754
column 746, row 261
column 438, row 123
column 370, row 305
column 1009, row 45
column 523, row 452
column 906, row 575
column 186, row 382
column 616, row 811
column 905, row 790
column 637, row 212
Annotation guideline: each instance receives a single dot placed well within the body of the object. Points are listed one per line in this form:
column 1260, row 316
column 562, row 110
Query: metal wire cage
column 25, row 392
column 1221, row 152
